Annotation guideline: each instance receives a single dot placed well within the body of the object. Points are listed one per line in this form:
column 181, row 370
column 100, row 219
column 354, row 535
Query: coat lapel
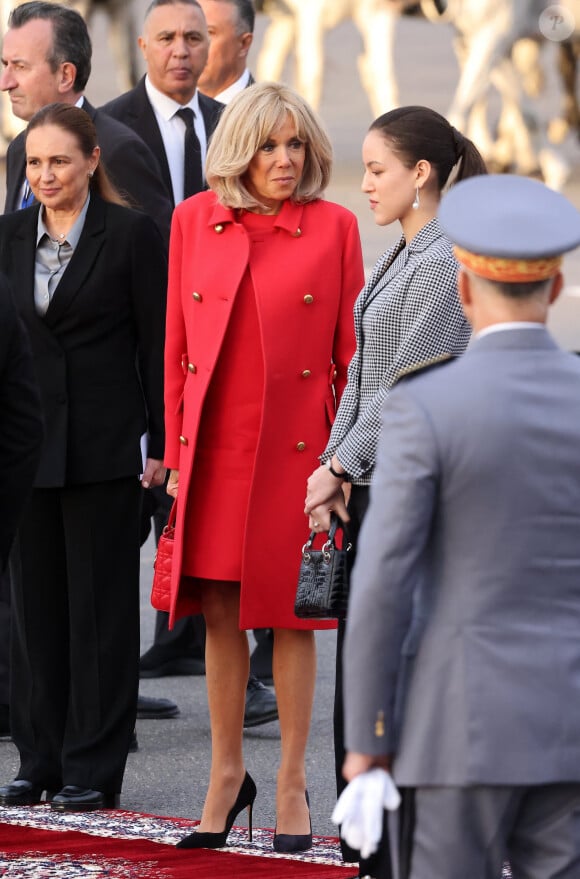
column 389, row 265
column 395, row 260
column 81, row 263
column 211, row 111
column 22, row 256
column 141, row 118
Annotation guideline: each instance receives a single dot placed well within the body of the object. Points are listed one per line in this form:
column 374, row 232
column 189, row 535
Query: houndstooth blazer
column 418, row 319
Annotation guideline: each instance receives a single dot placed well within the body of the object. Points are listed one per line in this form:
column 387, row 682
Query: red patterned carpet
column 36, row 843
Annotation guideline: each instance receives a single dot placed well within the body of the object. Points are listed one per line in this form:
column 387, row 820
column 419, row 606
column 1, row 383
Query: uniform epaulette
column 420, row 368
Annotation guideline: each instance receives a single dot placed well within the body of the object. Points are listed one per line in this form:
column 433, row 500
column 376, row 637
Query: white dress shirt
column 233, row 89
column 172, row 130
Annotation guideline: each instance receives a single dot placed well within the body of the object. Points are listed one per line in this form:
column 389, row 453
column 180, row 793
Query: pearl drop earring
column 416, row 202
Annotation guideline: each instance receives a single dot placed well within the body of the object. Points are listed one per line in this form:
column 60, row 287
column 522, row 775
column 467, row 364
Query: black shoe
column 288, row 843
column 4, row 722
column 133, row 743
column 261, row 704
column 82, row 799
column 20, row 793
column 244, row 800
column 261, row 658
column 156, row 709
column 159, row 663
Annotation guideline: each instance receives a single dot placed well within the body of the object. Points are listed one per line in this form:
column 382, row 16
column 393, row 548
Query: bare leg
column 294, row 669
column 227, row 662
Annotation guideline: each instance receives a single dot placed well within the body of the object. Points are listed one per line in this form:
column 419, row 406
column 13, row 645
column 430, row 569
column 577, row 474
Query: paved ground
column 168, row 775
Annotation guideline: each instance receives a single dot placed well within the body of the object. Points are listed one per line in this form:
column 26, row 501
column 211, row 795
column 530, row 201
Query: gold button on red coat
column 192, row 367
column 306, row 373
column 309, row 299
column 300, row 447
column 218, row 228
column 183, row 440
column 297, row 233
column 197, row 296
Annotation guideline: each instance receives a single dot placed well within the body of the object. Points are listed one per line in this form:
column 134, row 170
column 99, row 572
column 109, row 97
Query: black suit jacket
column 127, row 160
column 99, row 347
column 135, row 110
column 20, row 420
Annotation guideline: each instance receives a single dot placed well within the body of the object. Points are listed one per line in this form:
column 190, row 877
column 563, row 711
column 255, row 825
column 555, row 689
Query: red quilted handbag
column 161, row 588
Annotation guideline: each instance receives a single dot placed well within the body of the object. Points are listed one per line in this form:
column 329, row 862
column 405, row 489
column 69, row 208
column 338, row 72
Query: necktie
column 192, row 172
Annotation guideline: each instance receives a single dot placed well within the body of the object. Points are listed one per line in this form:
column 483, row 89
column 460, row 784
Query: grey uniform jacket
column 475, row 504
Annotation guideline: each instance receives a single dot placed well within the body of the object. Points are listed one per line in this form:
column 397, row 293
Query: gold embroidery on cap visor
column 512, row 271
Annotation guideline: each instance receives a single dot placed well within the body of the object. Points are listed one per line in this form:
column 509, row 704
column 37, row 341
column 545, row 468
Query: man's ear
column 464, row 290
column 68, row 74
column 245, row 43
column 142, row 43
column 556, row 287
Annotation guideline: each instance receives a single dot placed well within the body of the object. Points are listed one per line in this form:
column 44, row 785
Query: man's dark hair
column 245, row 8
column 246, row 14
column 519, row 290
column 71, row 41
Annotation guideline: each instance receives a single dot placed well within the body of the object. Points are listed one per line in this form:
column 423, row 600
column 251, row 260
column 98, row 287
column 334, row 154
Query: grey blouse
column 52, row 258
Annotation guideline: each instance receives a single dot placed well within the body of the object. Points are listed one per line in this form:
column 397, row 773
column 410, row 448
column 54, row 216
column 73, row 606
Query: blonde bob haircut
column 245, row 126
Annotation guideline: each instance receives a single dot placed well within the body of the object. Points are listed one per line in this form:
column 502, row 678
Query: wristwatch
column 334, row 472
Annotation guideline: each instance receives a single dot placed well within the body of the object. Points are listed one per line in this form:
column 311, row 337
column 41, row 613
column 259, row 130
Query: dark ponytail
column 470, row 159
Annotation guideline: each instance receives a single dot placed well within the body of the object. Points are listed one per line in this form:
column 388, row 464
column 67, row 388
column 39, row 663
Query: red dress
column 259, row 334
column 228, row 435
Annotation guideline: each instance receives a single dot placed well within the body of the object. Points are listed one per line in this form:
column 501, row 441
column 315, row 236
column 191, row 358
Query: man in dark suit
column 175, row 46
column 20, row 443
column 47, row 57
column 230, row 24
column 462, row 657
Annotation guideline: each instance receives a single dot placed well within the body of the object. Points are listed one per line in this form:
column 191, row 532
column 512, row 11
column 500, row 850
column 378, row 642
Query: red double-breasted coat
column 305, row 285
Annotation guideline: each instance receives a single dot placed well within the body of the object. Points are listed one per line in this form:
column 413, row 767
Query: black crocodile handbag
column 322, row 592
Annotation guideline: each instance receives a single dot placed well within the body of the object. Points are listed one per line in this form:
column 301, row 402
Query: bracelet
column 334, row 472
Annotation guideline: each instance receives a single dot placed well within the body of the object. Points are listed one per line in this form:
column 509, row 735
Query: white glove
column 360, row 809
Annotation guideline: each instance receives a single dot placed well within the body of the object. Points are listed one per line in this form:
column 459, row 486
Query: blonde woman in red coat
column 262, row 281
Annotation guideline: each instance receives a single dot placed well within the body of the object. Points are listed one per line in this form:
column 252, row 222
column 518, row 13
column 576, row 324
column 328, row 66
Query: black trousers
column 378, row 865
column 75, row 634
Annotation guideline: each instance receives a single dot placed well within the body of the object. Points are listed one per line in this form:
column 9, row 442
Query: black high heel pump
column 287, row 843
column 244, row 800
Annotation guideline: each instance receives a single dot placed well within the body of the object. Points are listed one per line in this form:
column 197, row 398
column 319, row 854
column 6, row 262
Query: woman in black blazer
column 89, row 276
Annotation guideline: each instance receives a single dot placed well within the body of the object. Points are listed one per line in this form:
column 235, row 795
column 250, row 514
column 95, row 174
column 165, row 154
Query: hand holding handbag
column 322, row 591
column 161, row 588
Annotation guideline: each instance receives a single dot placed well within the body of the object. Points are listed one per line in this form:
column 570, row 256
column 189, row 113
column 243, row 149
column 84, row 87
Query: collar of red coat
column 289, row 218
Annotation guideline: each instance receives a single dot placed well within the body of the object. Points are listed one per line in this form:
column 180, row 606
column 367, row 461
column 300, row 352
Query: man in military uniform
column 462, row 656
